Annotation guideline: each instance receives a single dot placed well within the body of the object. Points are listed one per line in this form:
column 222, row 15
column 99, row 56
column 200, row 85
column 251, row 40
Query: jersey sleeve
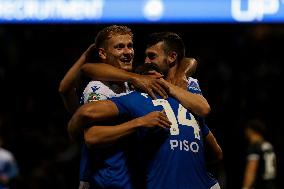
column 253, row 152
column 96, row 90
column 193, row 86
column 91, row 94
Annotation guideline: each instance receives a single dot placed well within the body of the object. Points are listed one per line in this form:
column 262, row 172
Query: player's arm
column 210, row 142
column 186, row 68
column 250, row 173
column 105, row 72
column 177, row 88
column 97, row 136
column 98, row 111
column 213, row 146
column 94, row 113
column 67, row 87
column 194, row 102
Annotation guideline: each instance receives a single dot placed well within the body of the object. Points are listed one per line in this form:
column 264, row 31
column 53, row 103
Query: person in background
column 260, row 170
column 8, row 167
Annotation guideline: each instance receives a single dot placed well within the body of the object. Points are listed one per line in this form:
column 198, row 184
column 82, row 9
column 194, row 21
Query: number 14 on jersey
column 179, row 119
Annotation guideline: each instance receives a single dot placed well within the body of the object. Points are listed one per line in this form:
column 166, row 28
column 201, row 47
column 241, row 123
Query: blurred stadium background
column 239, row 50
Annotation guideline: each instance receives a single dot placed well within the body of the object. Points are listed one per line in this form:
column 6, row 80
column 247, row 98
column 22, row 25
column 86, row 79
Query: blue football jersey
column 109, row 166
column 106, row 167
column 174, row 158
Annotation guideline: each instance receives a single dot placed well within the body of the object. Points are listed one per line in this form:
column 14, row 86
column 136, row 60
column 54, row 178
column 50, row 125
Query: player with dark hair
column 166, row 49
column 260, row 169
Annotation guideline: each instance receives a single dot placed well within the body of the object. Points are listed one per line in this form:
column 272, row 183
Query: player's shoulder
column 126, row 94
column 193, row 84
column 123, row 98
column 94, row 86
column 96, row 90
column 266, row 146
column 6, row 155
column 131, row 96
column 191, row 79
column 100, row 87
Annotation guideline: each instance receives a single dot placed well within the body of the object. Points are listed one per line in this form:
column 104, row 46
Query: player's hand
column 186, row 69
column 179, row 80
column 151, row 84
column 171, row 87
column 154, row 119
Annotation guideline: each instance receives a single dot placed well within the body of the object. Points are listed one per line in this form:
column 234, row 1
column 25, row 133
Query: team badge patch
column 94, row 97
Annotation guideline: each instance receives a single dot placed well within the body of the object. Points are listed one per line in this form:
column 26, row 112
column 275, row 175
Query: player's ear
column 172, row 58
column 102, row 53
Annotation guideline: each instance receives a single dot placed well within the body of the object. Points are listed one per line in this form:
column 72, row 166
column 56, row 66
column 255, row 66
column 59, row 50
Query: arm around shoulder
column 194, row 102
column 97, row 136
column 91, row 113
column 67, row 86
column 105, row 72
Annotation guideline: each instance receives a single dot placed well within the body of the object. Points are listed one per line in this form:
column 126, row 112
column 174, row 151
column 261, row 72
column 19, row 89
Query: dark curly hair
column 172, row 41
column 256, row 125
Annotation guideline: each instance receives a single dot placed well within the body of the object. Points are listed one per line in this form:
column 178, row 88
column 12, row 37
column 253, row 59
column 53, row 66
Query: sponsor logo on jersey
column 184, row 145
column 94, row 97
column 193, row 86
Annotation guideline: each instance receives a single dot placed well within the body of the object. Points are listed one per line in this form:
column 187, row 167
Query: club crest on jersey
column 94, row 97
column 95, row 88
column 193, row 86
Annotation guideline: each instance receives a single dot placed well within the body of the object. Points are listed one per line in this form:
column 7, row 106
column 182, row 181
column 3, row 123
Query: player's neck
column 172, row 71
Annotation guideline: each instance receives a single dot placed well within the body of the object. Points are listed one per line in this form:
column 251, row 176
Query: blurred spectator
column 260, row 171
column 8, row 167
